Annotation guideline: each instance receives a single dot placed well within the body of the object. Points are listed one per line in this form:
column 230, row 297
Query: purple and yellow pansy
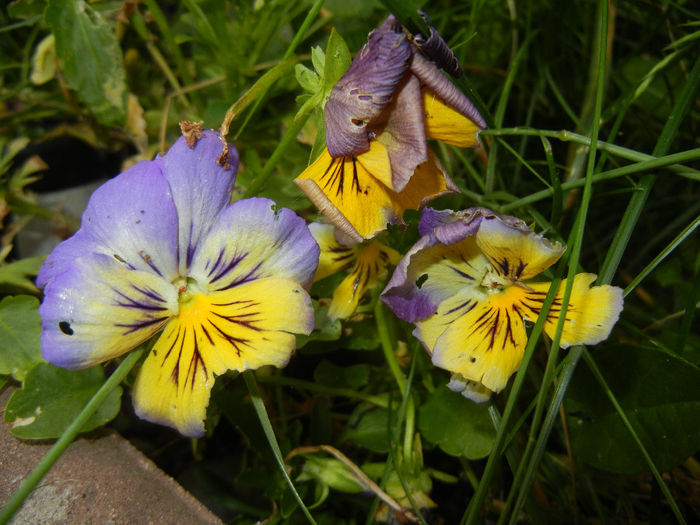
column 160, row 249
column 468, row 286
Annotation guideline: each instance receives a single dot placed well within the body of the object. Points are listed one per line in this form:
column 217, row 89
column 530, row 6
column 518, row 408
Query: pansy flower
column 160, row 249
column 378, row 118
column 468, row 286
column 367, row 264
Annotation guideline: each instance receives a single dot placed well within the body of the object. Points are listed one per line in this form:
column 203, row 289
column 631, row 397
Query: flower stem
column 260, row 410
column 33, row 479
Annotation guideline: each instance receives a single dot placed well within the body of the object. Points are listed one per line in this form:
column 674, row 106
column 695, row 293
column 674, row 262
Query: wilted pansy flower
column 378, row 116
column 466, row 284
column 367, row 263
column 161, row 248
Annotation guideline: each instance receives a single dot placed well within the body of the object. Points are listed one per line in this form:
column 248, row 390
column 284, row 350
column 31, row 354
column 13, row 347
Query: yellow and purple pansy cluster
column 162, row 252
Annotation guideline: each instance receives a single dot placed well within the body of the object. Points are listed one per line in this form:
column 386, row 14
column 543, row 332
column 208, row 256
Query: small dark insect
column 65, row 327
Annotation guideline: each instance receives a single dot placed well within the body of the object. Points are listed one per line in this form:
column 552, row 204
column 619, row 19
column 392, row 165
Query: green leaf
column 20, row 327
column 331, row 472
column 370, row 431
column 661, row 397
column 25, row 8
column 52, row 397
column 318, row 59
column 457, row 425
column 337, row 60
column 354, row 376
column 91, row 58
column 18, row 273
column 307, row 79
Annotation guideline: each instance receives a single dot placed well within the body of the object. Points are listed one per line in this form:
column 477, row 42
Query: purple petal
column 405, row 127
column 431, row 219
column 447, row 227
column 200, row 188
column 132, row 219
column 97, row 309
column 250, row 240
column 365, row 89
column 430, row 75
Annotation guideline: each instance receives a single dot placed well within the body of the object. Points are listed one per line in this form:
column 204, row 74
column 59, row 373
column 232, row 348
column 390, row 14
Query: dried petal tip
column 437, row 50
column 192, row 131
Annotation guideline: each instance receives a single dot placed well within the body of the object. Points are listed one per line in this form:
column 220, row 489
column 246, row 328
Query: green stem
column 570, row 136
column 33, row 479
column 637, row 202
column 388, row 347
column 682, row 236
column 637, row 167
column 259, row 406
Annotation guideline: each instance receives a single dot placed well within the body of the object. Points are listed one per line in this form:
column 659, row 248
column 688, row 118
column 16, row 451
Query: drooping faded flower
column 378, row 118
column 161, row 249
column 467, row 285
column 367, row 263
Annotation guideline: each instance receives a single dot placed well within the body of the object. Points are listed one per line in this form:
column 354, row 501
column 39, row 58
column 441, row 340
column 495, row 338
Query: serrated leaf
column 660, row 396
column 91, row 58
column 354, row 376
column 51, row 398
column 18, row 273
column 457, row 425
column 20, row 327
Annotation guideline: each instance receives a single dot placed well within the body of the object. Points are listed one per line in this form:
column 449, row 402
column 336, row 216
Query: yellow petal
column 515, row 251
column 590, row 316
column 447, row 125
column 334, row 257
column 357, row 202
column 451, row 270
column 241, row 328
column 485, row 343
column 371, row 265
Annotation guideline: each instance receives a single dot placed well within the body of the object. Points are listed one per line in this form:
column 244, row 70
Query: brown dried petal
column 365, row 89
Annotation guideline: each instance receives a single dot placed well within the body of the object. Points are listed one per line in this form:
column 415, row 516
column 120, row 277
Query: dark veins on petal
column 246, row 319
column 334, row 176
column 222, row 268
column 196, row 360
column 144, row 300
column 505, row 269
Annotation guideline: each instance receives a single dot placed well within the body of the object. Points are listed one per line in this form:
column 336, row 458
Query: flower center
column 187, row 288
column 495, row 283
